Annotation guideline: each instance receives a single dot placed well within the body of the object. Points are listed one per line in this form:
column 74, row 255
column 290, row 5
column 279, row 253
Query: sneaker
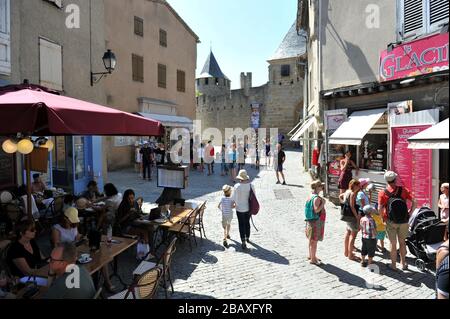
column 228, row 237
column 248, row 240
column 284, row 183
column 278, row 182
column 244, row 246
column 225, row 244
column 363, row 264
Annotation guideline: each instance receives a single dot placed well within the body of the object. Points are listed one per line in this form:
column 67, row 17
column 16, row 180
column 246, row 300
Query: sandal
column 317, row 263
column 389, row 266
column 405, row 267
column 355, row 258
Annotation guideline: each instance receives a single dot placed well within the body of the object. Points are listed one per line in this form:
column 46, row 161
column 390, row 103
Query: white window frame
column 427, row 27
column 5, row 39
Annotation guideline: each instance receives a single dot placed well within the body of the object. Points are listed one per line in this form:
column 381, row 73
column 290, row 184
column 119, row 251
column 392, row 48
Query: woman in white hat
column 66, row 231
column 241, row 197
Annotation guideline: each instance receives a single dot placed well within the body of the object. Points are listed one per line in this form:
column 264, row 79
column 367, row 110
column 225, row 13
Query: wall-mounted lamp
column 109, row 61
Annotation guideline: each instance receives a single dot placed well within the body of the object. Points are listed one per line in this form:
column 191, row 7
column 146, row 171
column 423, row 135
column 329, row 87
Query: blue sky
column 243, row 33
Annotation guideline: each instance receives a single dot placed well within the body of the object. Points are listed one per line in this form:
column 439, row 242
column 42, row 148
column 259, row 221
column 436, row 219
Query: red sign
column 418, row 57
column 334, row 168
column 414, row 167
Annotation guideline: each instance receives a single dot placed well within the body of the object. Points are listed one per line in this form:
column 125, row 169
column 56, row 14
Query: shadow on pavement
column 262, row 253
column 349, row 278
column 185, row 262
column 409, row 277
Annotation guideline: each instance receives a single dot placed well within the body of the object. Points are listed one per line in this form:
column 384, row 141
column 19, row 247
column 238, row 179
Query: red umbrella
column 37, row 111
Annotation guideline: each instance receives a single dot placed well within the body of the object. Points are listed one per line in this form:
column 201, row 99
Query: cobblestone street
column 275, row 265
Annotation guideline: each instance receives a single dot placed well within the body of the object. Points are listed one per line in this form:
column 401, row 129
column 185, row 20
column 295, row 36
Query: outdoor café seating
column 143, row 287
column 163, row 263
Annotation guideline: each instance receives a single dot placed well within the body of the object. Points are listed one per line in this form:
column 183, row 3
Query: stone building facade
column 280, row 99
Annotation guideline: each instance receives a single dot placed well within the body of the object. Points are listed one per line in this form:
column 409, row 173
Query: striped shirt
column 368, row 227
column 227, row 206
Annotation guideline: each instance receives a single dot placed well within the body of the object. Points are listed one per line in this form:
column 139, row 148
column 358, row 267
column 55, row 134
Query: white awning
column 306, row 125
column 435, row 137
column 291, row 132
column 356, row 127
column 170, row 120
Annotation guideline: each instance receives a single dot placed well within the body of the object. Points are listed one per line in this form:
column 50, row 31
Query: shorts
column 232, row 165
column 381, row 235
column 368, row 247
column 397, row 231
column 226, row 220
column 279, row 168
column 353, row 226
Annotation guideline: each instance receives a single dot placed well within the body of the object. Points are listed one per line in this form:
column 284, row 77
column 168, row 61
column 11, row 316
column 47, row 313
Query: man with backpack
column 392, row 204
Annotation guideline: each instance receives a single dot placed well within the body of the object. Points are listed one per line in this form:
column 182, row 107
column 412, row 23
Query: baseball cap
column 390, row 176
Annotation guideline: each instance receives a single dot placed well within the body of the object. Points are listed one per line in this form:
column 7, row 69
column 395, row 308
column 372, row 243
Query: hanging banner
column 414, row 167
column 254, row 120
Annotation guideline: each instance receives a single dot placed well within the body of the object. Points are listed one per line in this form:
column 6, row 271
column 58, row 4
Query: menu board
column 172, row 177
column 414, row 167
column 7, row 170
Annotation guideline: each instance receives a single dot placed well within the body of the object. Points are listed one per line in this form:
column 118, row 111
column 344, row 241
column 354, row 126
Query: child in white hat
column 226, row 205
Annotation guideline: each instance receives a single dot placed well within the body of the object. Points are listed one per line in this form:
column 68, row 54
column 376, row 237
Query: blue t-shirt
column 362, row 196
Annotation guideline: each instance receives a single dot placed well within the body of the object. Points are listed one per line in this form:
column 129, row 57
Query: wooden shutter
column 138, row 26
column 50, row 58
column 413, row 18
column 138, row 68
column 162, row 37
column 162, row 76
column 181, row 81
column 438, row 14
column 5, row 37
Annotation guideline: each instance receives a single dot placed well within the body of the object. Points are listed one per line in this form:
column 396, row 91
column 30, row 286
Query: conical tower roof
column 211, row 69
column 293, row 45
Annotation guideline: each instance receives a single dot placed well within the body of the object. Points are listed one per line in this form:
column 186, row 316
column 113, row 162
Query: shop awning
column 305, row 126
column 356, row 127
column 435, row 137
column 170, row 120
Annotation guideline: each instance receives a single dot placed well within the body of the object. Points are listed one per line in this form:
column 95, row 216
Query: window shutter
column 439, row 11
column 181, row 81
column 163, row 38
column 50, row 56
column 162, row 76
column 5, row 37
column 414, row 21
column 138, row 26
column 138, row 68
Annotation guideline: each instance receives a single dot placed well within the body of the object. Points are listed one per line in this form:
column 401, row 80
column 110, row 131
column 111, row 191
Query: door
column 82, row 162
column 62, row 163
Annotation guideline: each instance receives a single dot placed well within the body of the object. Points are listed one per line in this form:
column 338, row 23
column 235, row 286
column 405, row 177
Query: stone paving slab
column 276, row 264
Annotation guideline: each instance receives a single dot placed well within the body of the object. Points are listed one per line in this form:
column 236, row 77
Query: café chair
column 186, row 227
column 143, row 286
column 163, row 263
column 199, row 225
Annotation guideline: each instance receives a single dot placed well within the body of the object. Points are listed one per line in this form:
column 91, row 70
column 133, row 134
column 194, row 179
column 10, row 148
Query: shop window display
column 373, row 152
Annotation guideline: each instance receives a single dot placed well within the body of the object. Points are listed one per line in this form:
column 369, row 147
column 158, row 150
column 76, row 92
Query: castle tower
column 212, row 81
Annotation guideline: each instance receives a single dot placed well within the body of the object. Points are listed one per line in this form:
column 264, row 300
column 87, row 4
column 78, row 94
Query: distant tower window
column 162, row 76
column 206, row 81
column 285, row 70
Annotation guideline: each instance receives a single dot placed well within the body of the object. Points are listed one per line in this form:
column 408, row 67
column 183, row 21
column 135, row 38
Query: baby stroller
column 426, row 234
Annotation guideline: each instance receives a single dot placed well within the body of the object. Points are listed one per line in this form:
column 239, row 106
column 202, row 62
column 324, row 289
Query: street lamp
column 110, row 62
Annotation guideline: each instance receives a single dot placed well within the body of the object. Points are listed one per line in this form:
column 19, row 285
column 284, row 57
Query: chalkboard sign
column 7, row 169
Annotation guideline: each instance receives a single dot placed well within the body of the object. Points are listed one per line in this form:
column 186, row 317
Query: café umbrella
column 32, row 110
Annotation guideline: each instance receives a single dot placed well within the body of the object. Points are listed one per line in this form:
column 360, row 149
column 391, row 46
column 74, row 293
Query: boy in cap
column 226, row 205
column 369, row 235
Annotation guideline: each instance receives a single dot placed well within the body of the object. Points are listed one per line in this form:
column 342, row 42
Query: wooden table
column 101, row 257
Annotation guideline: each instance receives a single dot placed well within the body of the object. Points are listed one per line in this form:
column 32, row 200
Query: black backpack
column 397, row 208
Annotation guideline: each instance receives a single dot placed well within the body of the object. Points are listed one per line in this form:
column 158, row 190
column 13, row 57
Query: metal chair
column 143, row 286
